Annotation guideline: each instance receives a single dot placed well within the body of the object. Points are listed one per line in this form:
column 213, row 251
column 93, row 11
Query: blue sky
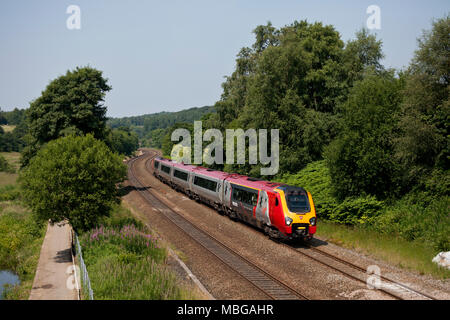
column 172, row 55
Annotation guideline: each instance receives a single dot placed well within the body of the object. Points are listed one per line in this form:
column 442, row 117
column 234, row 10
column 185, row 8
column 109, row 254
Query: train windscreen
column 297, row 200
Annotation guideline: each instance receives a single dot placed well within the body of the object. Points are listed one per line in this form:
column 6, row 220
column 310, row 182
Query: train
column 282, row 211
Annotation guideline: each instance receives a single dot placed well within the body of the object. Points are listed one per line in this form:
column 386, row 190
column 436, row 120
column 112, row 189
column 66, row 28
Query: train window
column 276, row 202
column 156, row 164
column 180, row 174
column 205, row 183
column 297, row 200
column 166, row 169
column 247, row 196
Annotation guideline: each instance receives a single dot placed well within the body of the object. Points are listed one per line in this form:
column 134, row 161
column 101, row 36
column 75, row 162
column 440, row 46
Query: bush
column 19, row 233
column 412, row 220
column 316, row 179
column 5, row 166
column 357, row 210
column 9, row 193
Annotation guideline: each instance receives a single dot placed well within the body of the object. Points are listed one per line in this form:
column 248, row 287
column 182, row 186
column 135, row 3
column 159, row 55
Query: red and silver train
column 282, row 211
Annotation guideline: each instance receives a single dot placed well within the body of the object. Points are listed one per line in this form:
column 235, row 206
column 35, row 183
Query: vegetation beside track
column 406, row 232
column 21, row 235
column 125, row 261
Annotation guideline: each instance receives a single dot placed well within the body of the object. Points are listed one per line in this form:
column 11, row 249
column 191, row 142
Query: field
column 8, row 128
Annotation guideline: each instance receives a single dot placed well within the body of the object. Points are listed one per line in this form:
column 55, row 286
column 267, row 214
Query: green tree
column 122, row 141
column 423, row 142
column 70, row 104
column 74, row 178
column 361, row 158
column 360, row 53
column 2, row 118
column 294, row 79
column 15, row 116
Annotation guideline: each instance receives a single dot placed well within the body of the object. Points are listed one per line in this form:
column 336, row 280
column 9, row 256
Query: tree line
column 151, row 128
column 381, row 131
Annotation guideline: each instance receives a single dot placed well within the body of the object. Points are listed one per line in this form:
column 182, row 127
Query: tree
column 74, row 178
column 122, row 141
column 361, row 53
column 70, row 104
column 423, row 143
column 2, row 118
column 361, row 158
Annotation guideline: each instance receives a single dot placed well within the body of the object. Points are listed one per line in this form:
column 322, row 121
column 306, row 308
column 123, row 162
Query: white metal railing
column 86, row 282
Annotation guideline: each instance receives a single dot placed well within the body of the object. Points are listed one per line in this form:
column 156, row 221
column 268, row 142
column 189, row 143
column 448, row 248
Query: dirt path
column 55, row 265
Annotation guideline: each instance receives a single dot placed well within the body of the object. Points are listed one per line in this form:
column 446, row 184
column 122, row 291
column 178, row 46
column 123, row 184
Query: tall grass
column 21, row 238
column 125, row 261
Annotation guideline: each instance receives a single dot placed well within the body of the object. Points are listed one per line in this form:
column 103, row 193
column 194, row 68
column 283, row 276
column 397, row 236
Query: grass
column 21, row 239
column 410, row 255
column 8, row 128
column 126, row 261
column 10, row 178
column 21, row 236
column 7, row 178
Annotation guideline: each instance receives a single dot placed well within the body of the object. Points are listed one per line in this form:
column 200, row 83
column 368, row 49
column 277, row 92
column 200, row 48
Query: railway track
column 265, row 282
column 388, row 286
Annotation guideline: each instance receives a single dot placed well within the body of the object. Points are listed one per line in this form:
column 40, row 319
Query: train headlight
column 312, row 221
column 288, row 221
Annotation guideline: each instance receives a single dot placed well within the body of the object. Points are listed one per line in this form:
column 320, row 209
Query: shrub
column 357, row 210
column 412, row 220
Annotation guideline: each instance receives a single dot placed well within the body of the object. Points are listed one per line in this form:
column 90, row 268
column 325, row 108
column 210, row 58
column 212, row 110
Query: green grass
column 21, row 239
column 125, row 261
column 21, row 236
column 8, row 179
column 410, row 255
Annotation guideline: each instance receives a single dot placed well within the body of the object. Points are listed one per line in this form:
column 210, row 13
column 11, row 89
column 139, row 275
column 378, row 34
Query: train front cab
column 295, row 213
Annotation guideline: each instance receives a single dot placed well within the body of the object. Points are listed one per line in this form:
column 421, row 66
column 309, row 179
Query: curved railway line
column 269, row 284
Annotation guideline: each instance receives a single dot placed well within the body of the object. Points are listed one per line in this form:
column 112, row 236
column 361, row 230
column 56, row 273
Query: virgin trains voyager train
column 282, row 211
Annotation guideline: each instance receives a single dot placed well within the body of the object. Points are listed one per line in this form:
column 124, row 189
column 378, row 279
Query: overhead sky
column 172, row 55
